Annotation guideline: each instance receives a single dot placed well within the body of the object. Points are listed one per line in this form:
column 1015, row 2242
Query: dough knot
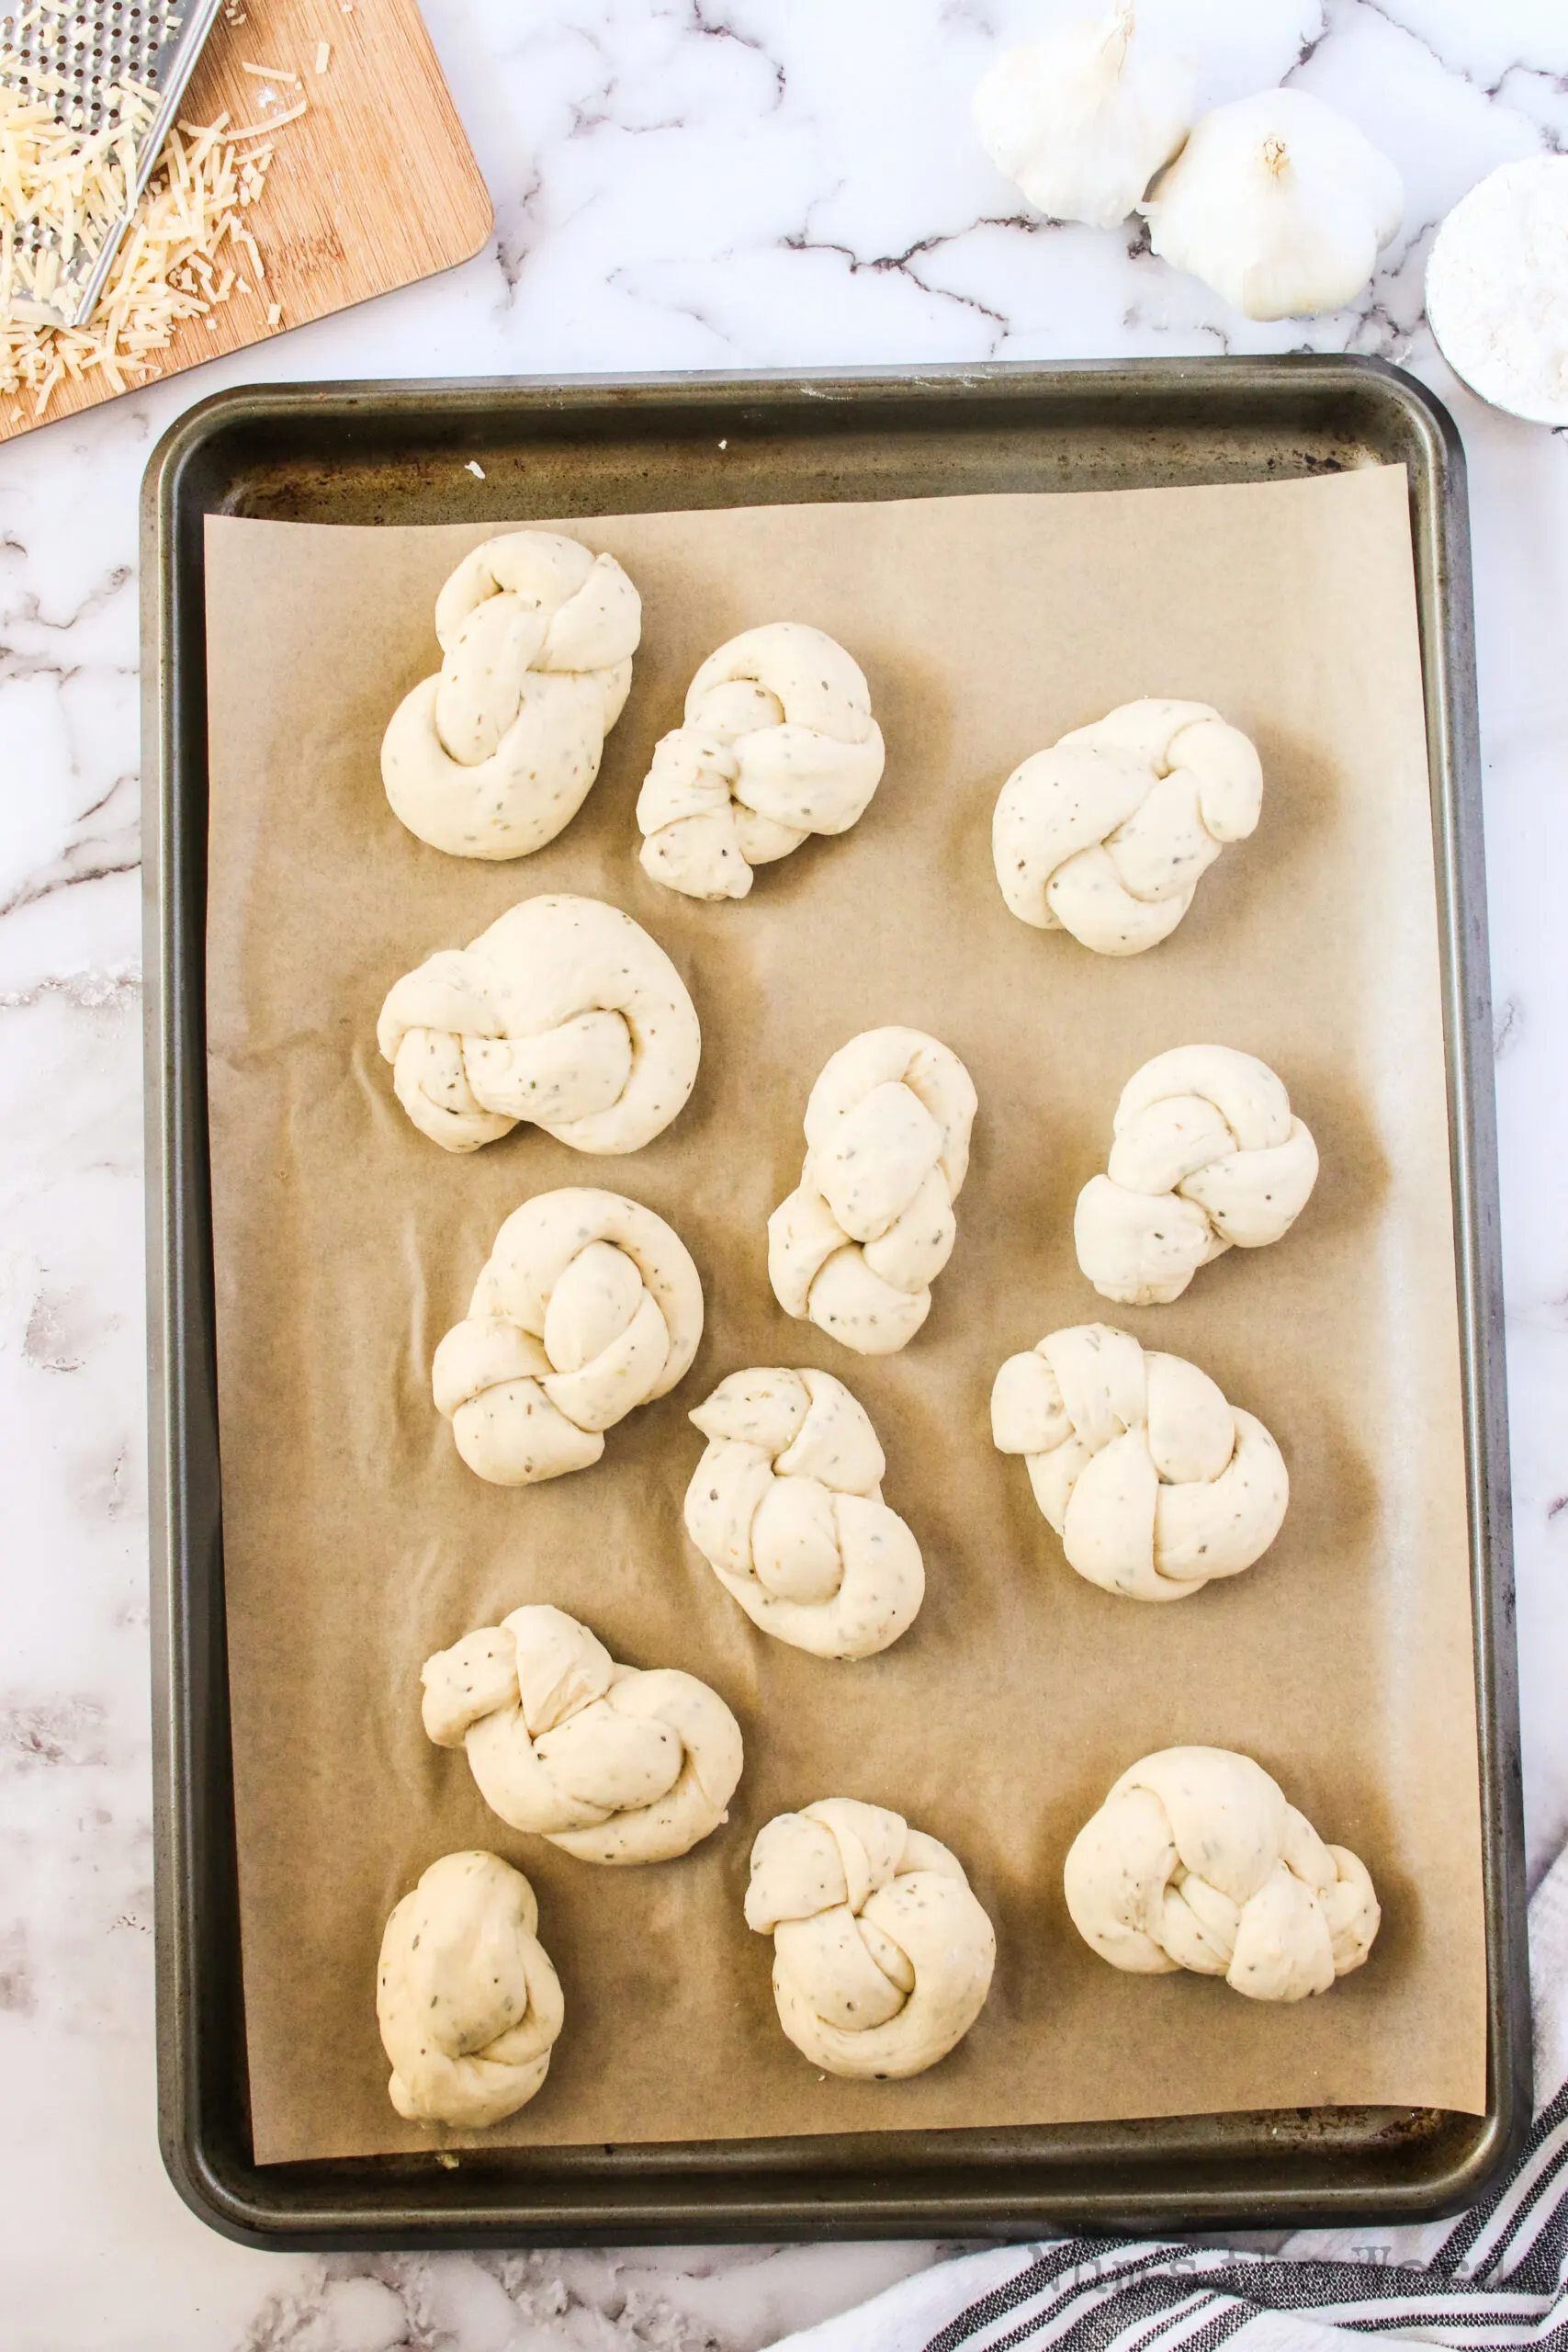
column 1153, row 1483
column 468, row 2004
column 608, row 1762
column 1207, row 1157
column 1196, row 1860
column 882, row 1955
column 494, row 755
column 857, row 1245
column 588, row 1305
column 1108, row 833
column 778, row 741
column 564, row 1011
column 787, row 1508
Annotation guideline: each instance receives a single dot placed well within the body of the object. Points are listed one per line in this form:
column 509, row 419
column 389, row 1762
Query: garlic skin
column 1279, row 203
column 1082, row 120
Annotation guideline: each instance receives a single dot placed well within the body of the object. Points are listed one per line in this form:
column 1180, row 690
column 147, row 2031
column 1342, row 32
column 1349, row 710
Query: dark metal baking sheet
column 397, row 453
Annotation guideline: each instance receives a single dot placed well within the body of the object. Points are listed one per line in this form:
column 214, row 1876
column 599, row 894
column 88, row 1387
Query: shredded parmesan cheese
column 323, row 55
column 180, row 261
column 262, row 129
column 269, row 73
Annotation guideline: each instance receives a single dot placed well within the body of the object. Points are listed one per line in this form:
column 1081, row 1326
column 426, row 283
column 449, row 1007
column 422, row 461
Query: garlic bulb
column 1279, row 203
column 1083, row 119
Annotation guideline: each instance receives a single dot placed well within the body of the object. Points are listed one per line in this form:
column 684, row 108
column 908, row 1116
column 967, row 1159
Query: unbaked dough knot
column 787, row 1508
column 564, row 1011
column 468, row 2004
column 1196, row 1860
column 611, row 1763
column 1207, row 1156
column 1153, row 1483
column 588, row 1305
column 1109, row 832
column 858, row 1242
column 495, row 754
column 882, row 1955
column 778, row 742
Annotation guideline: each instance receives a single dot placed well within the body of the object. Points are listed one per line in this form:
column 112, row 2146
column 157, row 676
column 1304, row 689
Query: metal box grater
column 71, row 57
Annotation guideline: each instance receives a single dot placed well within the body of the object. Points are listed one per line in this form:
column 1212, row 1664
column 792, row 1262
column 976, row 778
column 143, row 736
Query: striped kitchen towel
column 1496, row 2277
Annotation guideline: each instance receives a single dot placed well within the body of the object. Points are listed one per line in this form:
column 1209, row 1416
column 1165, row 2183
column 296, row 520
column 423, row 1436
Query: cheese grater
column 68, row 55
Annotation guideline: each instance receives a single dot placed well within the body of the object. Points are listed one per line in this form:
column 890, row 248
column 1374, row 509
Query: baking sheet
column 346, row 1244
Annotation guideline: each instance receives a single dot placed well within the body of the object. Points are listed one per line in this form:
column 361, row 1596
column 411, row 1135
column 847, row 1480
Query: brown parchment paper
column 346, row 1244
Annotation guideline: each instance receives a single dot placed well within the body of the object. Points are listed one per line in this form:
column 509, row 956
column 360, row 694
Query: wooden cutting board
column 374, row 186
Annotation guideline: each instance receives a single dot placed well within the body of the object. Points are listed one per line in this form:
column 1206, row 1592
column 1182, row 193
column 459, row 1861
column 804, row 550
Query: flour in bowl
column 1497, row 288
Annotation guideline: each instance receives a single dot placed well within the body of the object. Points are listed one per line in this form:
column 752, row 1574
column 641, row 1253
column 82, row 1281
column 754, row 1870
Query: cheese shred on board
column 185, row 255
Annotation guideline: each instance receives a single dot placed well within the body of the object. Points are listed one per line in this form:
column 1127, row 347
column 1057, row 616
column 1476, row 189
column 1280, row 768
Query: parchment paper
column 346, row 1243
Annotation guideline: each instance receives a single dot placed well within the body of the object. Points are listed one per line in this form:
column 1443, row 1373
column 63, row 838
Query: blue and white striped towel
column 1495, row 2278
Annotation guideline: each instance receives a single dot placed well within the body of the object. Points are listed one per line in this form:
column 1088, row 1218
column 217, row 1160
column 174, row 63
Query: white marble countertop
column 678, row 184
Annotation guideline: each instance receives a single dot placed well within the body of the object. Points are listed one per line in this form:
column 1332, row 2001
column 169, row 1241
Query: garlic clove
column 1278, row 203
column 1082, row 120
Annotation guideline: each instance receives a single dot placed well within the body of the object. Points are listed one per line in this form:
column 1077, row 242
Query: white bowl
column 1497, row 288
